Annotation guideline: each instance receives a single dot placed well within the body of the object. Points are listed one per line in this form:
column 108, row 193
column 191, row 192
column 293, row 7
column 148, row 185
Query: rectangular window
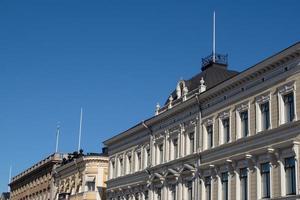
column 175, row 148
column 265, row 180
column 208, row 188
column 121, row 166
column 158, row 193
column 139, row 160
column 129, row 163
column 244, row 183
column 209, row 130
column 265, row 116
column 244, row 123
column 290, row 176
column 192, row 141
column 224, row 182
column 161, row 153
column 288, row 107
column 173, row 192
column 148, row 156
column 146, row 194
column 226, row 130
column 90, row 185
column 136, row 196
column 190, row 190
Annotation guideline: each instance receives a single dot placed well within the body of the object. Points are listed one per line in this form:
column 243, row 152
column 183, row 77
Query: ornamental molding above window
column 190, row 124
column 208, row 122
column 224, row 115
column 146, row 146
column 175, row 130
column 242, row 107
column 121, row 156
column 289, row 87
column 159, row 136
column 128, row 153
column 112, row 159
column 263, row 98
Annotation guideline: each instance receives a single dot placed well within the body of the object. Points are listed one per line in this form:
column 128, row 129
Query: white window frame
column 207, row 123
column 240, row 109
column 261, row 160
column 158, row 154
column 266, row 98
column 242, row 164
column 223, row 116
column 120, row 168
column 128, row 167
column 286, row 153
column 188, row 146
column 138, row 165
column 147, row 162
column 223, row 169
column 112, row 167
column 282, row 91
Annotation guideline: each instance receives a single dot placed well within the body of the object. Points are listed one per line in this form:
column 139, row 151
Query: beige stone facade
column 82, row 178
column 237, row 140
column 35, row 183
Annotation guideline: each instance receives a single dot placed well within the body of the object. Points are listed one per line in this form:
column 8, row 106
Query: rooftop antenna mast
column 57, row 136
column 214, row 37
column 9, row 178
column 80, row 127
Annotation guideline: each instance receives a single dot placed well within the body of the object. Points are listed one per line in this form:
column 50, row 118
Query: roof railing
column 219, row 59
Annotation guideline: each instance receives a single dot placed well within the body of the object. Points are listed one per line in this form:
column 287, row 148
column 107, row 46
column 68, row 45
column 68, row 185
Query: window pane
column 208, row 188
column 224, row 186
column 265, row 180
column 148, row 157
column 161, row 153
column 244, row 123
column 290, row 177
column 192, row 140
column 91, row 185
column 139, row 157
column 190, row 190
column 265, row 116
column 244, row 183
column 175, row 145
column 289, row 107
column 146, row 195
column 226, row 133
column 209, row 136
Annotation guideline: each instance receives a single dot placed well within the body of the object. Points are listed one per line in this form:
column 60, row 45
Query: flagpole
column 57, row 137
column 9, row 179
column 214, row 37
column 80, row 127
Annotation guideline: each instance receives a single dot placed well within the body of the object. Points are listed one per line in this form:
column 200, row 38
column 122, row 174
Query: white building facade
column 221, row 135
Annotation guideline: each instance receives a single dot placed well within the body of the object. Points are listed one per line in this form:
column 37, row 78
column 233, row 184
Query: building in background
column 82, row 177
column 5, row 196
column 36, row 183
column 220, row 135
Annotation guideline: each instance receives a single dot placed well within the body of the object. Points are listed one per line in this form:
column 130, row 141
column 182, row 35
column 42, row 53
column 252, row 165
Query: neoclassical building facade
column 36, row 182
column 81, row 177
column 220, row 135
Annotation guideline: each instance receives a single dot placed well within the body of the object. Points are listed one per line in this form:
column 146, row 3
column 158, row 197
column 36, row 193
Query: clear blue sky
column 116, row 59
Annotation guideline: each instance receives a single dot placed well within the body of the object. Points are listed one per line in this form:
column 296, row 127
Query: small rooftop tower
column 214, row 58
